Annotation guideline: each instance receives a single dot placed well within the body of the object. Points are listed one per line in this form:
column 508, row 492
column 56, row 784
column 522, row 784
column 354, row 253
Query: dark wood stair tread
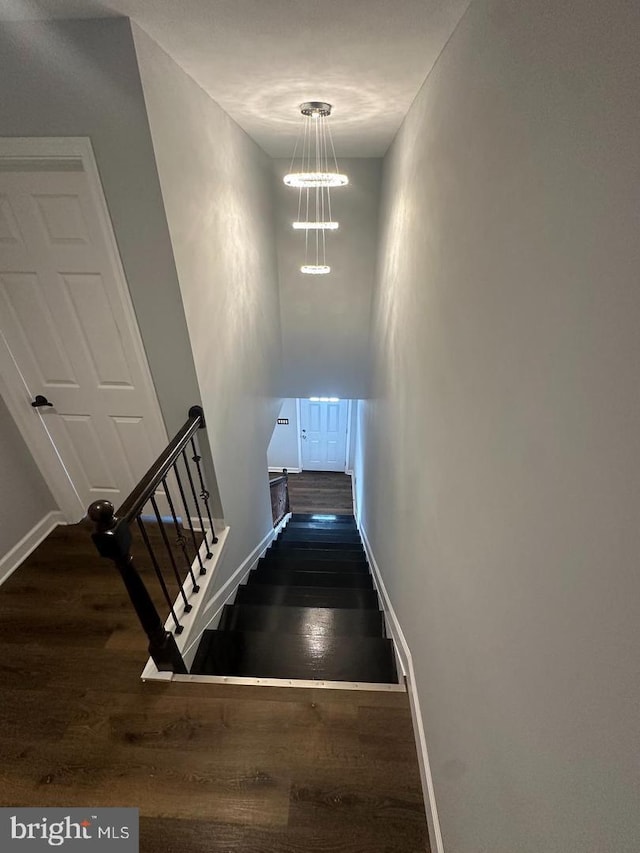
column 308, row 596
column 293, row 577
column 306, row 656
column 333, row 621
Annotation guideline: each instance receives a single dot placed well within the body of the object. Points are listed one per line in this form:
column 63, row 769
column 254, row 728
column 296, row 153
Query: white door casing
column 323, row 431
column 68, row 330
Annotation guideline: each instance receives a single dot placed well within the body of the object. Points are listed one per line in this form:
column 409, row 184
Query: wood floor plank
column 179, row 836
column 213, row 768
column 320, row 492
column 245, row 795
column 344, row 803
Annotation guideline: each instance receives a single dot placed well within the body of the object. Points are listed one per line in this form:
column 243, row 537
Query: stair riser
column 352, row 555
column 325, row 621
column 301, row 565
column 366, row 599
column 323, row 545
column 334, row 580
column 308, row 516
column 320, row 535
column 319, row 525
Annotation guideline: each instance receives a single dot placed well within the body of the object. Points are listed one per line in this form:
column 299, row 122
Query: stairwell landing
column 308, row 611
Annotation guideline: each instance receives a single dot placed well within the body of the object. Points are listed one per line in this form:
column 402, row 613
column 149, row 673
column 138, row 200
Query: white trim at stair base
column 369, row 686
column 187, row 642
column 29, row 542
column 404, row 654
column 289, row 470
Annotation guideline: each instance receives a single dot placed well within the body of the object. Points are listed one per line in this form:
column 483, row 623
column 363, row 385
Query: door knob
column 40, row 401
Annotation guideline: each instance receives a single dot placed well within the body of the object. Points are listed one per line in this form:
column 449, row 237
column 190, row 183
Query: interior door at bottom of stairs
column 323, row 431
column 68, row 333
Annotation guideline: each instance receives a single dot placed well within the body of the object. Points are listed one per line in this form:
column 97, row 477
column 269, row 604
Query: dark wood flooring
column 320, row 491
column 212, row 768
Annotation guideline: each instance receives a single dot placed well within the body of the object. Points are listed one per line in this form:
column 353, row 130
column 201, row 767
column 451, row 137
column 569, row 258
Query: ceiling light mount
column 315, row 109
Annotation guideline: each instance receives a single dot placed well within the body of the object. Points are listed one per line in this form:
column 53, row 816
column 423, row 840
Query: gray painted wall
column 80, row 78
column 283, row 447
column 501, row 446
column 24, row 496
column 326, row 319
column 217, row 191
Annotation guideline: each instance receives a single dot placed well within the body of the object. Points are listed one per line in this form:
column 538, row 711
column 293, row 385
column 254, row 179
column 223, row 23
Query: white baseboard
column 369, row 687
column 404, row 654
column 289, row 470
column 29, row 542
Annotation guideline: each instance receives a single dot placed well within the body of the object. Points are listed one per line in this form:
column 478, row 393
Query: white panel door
column 323, row 429
column 70, row 336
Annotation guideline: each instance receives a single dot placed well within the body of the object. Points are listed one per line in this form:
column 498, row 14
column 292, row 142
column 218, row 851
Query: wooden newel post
column 112, row 538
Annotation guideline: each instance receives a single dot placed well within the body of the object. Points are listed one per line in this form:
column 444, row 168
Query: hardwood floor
column 320, row 491
column 212, row 768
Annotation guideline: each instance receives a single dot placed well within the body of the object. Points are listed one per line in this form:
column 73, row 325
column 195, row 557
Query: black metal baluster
column 163, row 532
column 180, row 540
column 203, row 571
column 112, row 538
column 195, row 500
column 145, row 536
column 205, row 492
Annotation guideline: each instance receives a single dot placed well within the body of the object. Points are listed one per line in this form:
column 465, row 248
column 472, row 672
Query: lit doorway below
column 324, row 425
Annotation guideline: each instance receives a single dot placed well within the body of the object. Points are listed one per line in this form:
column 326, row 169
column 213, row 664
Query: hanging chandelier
column 317, row 175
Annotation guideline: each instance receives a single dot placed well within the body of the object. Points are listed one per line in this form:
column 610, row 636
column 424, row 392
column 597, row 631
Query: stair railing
column 174, row 483
column 279, row 487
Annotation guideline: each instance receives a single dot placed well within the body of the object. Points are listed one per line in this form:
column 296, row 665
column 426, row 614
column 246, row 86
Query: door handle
column 40, row 401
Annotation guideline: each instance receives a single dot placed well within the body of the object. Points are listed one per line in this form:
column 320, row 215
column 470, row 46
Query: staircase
column 308, row 611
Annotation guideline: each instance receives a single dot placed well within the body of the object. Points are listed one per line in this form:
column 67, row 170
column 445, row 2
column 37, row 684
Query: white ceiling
column 259, row 59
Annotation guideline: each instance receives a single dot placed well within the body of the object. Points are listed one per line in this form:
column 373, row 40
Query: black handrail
column 112, row 537
column 161, row 467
